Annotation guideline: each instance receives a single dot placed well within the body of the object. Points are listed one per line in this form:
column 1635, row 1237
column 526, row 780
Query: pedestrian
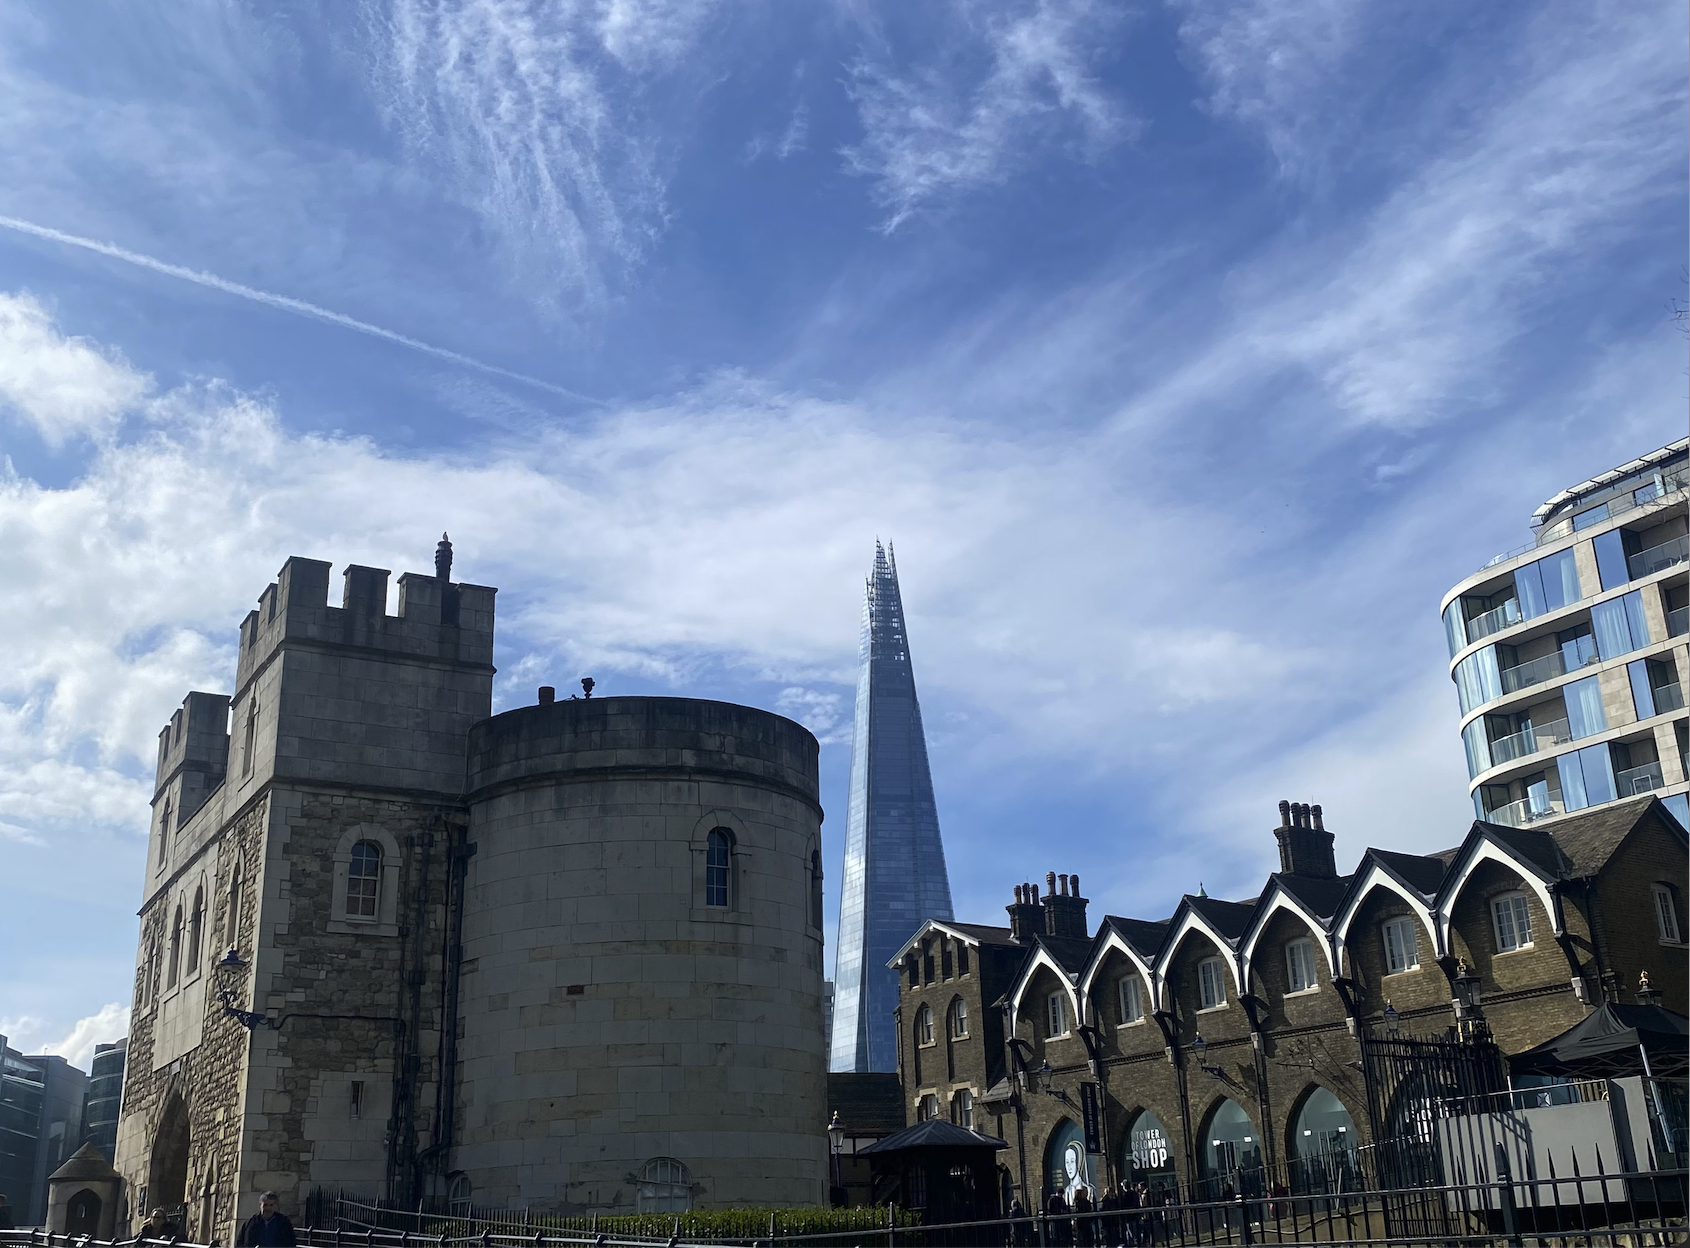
column 1016, row 1235
column 159, row 1226
column 268, row 1228
column 1110, row 1223
column 1085, row 1226
column 7, row 1221
column 1060, row 1229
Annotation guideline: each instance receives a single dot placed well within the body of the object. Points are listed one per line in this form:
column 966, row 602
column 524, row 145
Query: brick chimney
column 1026, row 919
column 1305, row 846
column 1065, row 909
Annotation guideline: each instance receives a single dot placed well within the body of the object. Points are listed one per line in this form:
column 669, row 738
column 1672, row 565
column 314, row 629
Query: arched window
column 1512, row 919
column 816, row 890
column 175, row 971
column 1147, row 1154
column 924, row 1026
column 250, row 736
column 458, row 1196
column 959, row 1019
column 1323, row 1146
column 164, row 833
column 363, row 881
column 718, row 859
column 665, row 1187
column 232, row 918
column 962, row 1109
column 196, row 926
column 1230, row 1153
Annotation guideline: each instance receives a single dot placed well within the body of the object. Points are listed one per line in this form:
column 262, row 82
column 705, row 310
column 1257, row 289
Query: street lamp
column 233, row 963
column 836, row 1140
column 1199, row 1047
column 1392, row 1023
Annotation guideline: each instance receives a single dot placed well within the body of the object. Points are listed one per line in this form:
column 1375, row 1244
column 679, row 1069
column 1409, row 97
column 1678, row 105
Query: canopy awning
column 1612, row 1042
column 934, row 1133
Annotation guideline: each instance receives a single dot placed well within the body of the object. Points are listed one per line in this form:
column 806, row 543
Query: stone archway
column 82, row 1214
column 167, row 1170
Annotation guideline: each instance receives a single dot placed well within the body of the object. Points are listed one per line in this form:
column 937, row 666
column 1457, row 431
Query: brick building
column 567, row 956
column 1226, row 1035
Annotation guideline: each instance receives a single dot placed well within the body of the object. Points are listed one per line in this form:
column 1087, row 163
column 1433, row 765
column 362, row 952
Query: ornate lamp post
column 230, row 966
column 836, row 1140
column 1393, row 1024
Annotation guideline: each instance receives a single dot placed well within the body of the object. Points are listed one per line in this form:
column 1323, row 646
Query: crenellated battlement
column 436, row 619
column 194, row 747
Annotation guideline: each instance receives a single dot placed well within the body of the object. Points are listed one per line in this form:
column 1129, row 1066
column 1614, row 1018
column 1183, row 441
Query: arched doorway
column 1229, row 1155
column 82, row 1214
column 1323, row 1146
column 167, row 1170
column 1066, row 1165
column 1147, row 1155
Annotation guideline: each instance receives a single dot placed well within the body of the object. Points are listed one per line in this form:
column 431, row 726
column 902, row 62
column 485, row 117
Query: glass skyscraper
column 894, row 860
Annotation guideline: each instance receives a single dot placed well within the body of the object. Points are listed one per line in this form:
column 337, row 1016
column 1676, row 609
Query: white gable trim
column 1041, row 957
column 1112, row 941
column 1191, row 922
column 1487, row 850
column 1376, row 877
column 1283, row 900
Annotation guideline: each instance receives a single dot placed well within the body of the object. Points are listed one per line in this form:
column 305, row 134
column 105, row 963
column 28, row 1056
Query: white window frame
column 924, row 1026
column 1408, row 945
column 1132, row 1001
column 927, row 1108
column 962, row 1102
column 1667, row 923
column 1056, row 1015
column 959, row 1019
column 1300, row 952
column 1509, row 914
column 1211, row 984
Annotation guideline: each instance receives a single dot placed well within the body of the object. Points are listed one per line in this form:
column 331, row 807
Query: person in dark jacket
column 159, row 1226
column 1059, row 1230
column 268, row 1228
column 1084, row 1226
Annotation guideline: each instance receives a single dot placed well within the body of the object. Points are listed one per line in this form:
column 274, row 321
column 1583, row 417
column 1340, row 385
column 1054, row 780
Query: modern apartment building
column 1569, row 654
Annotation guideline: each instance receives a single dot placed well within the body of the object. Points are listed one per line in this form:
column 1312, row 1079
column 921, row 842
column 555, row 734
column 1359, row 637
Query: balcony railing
column 1494, row 620
column 1519, row 814
column 1675, row 482
column 1547, row 667
column 1655, row 558
column 1678, row 622
column 1644, row 779
column 1529, row 741
column 1668, row 698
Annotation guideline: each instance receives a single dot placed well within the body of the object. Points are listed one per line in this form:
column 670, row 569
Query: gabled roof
column 1533, row 846
column 867, row 1102
column 1142, row 935
column 1424, row 873
column 1229, row 918
column 1589, row 839
column 934, row 1133
column 1320, row 898
column 981, row 932
column 1071, row 952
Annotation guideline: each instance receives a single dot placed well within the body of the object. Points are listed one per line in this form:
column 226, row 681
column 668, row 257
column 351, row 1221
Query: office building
column 894, row 860
column 105, row 1097
column 40, row 1126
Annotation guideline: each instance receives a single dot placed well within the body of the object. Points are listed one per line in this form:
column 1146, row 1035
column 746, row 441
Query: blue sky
column 1186, row 351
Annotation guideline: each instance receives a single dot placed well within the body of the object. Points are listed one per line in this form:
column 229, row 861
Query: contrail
column 297, row 306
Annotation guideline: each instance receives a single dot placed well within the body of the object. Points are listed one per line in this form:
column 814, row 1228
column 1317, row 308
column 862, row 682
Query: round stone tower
column 641, row 980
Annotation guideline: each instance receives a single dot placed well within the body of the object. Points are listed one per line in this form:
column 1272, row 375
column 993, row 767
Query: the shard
column 894, row 860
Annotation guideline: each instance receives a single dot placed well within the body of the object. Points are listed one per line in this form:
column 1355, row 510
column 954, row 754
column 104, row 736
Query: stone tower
column 567, row 957
column 894, row 859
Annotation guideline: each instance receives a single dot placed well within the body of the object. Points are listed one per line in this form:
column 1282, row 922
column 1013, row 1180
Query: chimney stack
column 1065, row 910
column 548, row 695
column 1026, row 919
column 1305, row 846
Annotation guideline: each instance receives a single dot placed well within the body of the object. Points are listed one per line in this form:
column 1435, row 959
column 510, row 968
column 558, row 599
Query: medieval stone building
column 1228, row 1037
column 567, row 956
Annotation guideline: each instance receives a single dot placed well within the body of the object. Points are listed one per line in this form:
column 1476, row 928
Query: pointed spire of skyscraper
column 895, row 875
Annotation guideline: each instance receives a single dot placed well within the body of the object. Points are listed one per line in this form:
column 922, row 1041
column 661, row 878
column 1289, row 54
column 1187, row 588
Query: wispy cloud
column 298, row 307
column 534, row 113
column 1002, row 81
column 64, row 387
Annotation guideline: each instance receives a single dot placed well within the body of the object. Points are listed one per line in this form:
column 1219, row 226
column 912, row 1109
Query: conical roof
column 85, row 1163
